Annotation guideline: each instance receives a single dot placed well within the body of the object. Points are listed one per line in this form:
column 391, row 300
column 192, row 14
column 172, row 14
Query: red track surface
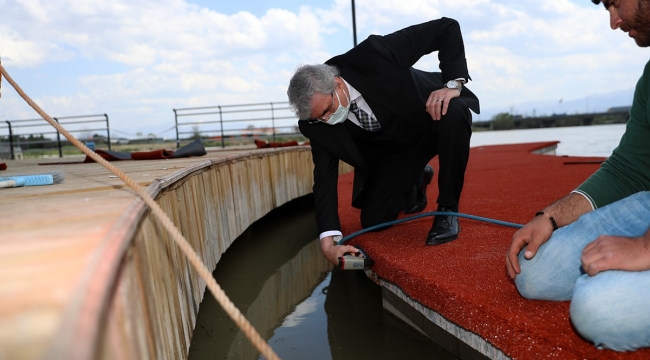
column 465, row 280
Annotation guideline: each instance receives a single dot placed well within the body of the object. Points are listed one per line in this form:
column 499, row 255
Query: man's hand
column 531, row 236
column 332, row 252
column 438, row 102
column 616, row 253
column 539, row 230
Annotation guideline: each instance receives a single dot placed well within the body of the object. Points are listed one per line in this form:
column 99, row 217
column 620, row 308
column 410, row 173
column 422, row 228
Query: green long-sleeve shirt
column 627, row 170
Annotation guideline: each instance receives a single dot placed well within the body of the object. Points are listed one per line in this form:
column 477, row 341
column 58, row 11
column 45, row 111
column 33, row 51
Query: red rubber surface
column 465, row 280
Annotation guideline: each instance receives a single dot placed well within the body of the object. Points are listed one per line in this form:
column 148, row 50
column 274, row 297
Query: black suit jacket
column 380, row 68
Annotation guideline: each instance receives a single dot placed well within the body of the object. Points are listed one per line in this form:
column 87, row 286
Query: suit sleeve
column 326, row 174
column 405, row 47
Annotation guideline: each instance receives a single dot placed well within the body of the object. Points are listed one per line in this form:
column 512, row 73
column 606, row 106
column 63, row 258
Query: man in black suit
column 370, row 108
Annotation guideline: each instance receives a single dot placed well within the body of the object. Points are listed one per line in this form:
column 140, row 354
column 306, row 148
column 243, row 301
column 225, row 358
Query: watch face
column 452, row 84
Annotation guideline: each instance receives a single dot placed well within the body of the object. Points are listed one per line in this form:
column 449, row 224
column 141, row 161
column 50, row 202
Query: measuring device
column 357, row 261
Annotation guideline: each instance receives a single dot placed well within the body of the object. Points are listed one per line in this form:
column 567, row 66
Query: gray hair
column 307, row 81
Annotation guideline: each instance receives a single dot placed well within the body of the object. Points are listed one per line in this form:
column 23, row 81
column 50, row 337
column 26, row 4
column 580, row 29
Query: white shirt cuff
column 337, row 235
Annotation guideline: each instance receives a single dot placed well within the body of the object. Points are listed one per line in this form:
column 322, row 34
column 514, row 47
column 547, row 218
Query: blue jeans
column 610, row 309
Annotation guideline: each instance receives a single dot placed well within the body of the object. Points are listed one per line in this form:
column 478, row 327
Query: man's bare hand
column 438, row 102
column 531, row 237
column 539, row 230
column 332, row 252
column 616, row 253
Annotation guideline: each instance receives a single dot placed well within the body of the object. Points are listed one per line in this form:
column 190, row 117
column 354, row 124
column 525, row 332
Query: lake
column 596, row 140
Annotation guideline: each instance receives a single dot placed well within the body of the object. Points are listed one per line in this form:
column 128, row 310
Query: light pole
column 354, row 24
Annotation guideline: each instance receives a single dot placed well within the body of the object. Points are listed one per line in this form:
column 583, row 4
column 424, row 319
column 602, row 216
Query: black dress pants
column 394, row 172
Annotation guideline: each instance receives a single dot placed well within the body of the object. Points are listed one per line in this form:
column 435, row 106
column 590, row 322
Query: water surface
column 595, row 140
column 276, row 275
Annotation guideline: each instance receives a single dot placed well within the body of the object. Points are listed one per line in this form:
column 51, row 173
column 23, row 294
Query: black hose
column 433, row 213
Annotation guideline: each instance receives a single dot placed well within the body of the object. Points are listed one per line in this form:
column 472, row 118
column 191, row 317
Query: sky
column 136, row 60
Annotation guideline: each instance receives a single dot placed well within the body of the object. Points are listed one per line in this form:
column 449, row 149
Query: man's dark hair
column 595, row 1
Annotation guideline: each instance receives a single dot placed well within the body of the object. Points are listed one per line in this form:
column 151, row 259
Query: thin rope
column 180, row 240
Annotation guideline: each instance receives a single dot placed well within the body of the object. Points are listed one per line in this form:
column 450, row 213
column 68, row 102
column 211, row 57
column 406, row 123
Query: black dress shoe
column 421, row 192
column 445, row 229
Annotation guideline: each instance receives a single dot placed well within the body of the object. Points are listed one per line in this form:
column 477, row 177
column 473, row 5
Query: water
column 276, row 275
column 278, row 278
column 596, row 140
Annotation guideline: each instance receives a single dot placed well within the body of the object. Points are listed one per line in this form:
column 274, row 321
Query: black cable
column 433, row 213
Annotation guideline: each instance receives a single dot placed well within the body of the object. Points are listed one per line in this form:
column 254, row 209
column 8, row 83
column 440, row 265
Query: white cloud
column 307, row 307
column 19, row 51
column 144, row 57
column 140, row 32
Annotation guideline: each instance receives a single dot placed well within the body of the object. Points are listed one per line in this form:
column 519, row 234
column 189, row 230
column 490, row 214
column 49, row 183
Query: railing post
column 58, row 139
column 178, row 140
column 108, row 132
column 223, row 143
column 272, row 121
column 354, row 24
column 11, row 141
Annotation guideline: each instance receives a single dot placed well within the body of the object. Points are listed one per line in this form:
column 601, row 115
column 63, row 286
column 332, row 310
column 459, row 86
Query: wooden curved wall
column 140, row 296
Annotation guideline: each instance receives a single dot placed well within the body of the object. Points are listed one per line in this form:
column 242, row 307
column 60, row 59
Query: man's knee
column 538, row 281
column 457, row 121
column 528, row 284
column 608, row 315
column 590, row 319
column 527, row 281
column 458, row 110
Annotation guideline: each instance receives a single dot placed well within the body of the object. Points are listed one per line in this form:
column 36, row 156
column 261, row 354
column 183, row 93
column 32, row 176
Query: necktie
column 367, row 122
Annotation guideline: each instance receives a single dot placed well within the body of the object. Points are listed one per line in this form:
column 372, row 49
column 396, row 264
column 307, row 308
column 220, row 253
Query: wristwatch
column 454, row 84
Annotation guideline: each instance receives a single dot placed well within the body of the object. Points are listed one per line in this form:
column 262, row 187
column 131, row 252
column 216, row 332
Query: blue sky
column 136, row 60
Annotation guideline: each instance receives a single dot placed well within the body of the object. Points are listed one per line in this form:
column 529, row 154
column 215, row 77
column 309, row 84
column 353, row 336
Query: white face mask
column 341, row 114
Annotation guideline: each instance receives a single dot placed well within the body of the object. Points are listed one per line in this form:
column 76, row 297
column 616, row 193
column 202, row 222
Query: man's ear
column 339, row 82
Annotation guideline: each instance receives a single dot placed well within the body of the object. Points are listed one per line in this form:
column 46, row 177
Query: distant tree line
column 508, row 121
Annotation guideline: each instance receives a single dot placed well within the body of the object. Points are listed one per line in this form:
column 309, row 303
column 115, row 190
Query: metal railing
column 264, row 120
column 17, row 139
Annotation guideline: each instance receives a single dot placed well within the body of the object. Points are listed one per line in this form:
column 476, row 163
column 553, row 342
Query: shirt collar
column 354, row 94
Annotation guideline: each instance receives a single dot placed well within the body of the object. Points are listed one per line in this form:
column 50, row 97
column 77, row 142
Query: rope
column 433, row 213
column 180, row 240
